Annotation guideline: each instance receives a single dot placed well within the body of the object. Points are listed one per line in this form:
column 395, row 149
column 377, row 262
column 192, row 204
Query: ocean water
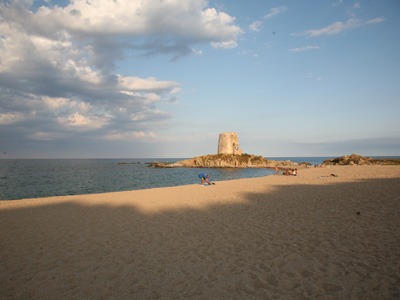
column 33, row 178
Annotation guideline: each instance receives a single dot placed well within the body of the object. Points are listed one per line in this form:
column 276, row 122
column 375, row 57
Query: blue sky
column 91, row 79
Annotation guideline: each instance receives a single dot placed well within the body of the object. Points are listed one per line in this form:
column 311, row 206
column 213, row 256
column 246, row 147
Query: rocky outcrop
column 227, row 161
column 355, row 159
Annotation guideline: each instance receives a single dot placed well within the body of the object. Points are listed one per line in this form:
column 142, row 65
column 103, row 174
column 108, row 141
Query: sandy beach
column 312, row 236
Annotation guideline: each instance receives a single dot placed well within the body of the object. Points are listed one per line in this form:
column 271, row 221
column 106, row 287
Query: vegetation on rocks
column 356, row 159
column 225, row 161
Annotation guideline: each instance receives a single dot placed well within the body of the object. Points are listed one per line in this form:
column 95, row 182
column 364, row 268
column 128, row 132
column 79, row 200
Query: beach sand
column 312, row 236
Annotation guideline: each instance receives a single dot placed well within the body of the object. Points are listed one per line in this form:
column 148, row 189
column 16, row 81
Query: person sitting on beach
column 295, row 172
column 204, row 178
column 288, row 172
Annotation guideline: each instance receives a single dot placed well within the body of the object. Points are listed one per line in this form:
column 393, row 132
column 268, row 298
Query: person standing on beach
column 204, row 178
column 276, row 170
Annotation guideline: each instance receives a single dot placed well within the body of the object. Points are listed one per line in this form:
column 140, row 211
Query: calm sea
column 33, row 178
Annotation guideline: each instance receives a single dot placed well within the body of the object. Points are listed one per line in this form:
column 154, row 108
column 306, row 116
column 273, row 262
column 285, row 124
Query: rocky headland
column 356, row 159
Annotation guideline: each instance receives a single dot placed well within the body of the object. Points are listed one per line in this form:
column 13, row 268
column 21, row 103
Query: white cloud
column 145, row 84
column 217, row 26
column 339, row 27
column 57, row 68
column 10, row 118
column 224, row 45
column 255, row 26
column 375, row 21
column 55, row 103
column 305, row 48
column 149, row 115
column 134, row 135
column 188, row 20
column 81, row 122
column 337, row 3
column 274, row 11
column 334, row 28
column 46, row 136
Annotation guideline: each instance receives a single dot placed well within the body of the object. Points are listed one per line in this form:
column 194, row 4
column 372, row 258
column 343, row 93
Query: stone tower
column 228, row 143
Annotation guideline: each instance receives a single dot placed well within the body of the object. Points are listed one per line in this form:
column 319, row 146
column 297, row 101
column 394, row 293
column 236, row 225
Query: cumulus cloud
column 57, row 63
column 339, row 27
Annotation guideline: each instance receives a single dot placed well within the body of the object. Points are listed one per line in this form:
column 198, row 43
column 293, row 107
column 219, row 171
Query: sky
column 163, row 78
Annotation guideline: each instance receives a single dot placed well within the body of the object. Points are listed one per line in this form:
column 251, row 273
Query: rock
column 356, row 159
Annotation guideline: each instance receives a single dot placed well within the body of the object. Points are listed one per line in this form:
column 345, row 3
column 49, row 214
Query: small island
column 229, row 155
column 228, row 161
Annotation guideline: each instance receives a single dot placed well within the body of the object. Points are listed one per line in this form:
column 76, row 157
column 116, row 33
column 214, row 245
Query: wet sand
column 312, row 236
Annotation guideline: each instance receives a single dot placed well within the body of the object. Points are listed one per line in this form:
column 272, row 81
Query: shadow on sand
column 340, row 241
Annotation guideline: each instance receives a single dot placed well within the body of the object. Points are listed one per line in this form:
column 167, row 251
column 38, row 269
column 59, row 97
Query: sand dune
column 313, row 236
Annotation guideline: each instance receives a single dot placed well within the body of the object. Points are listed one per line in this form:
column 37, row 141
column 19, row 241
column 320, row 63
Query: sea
column 34, row 178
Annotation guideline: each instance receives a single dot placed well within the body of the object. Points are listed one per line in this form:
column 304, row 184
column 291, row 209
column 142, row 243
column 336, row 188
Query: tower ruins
column 228, row 143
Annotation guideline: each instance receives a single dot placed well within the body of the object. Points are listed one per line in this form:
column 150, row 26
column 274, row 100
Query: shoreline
column 312, row 235
column 322, row 170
